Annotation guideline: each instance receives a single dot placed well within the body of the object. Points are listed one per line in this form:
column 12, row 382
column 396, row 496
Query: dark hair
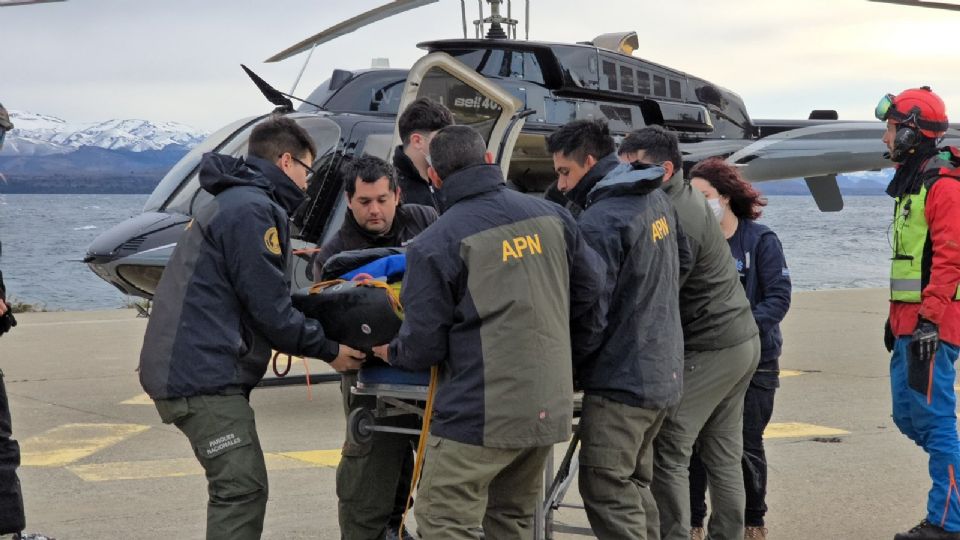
column 658, row 144
column 745, row 201
column 456, row 147
column 369, row 169
column 278, row 135
column 424, row 115
column 581, row 138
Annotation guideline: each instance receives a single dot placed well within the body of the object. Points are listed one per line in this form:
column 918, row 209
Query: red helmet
column 918, row 106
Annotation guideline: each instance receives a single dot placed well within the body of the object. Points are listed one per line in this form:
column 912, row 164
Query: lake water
column 45, row 237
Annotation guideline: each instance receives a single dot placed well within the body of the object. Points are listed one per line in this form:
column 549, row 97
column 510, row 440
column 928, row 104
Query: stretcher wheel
column 360, row 424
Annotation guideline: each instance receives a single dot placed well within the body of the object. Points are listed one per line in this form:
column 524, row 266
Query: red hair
column 745, row 201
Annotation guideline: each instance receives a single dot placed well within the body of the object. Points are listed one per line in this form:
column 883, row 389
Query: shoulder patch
column 272, row 240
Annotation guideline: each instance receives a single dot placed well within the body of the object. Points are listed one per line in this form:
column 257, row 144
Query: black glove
column 925, row 339
column 7, row 321
column 889, row 340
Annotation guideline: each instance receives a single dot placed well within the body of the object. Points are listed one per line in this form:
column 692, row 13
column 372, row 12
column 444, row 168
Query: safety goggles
column 885, row 108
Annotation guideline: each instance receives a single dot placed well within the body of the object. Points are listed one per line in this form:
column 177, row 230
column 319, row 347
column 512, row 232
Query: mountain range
column 46, row 154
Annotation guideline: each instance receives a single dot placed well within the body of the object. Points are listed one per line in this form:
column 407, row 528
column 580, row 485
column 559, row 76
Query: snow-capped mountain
column 37, row 134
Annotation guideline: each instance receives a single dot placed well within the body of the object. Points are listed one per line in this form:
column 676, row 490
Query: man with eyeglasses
column 923, row 329
column 222, row 305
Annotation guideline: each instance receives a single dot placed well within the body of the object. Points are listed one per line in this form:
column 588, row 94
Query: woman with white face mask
column 763, row 271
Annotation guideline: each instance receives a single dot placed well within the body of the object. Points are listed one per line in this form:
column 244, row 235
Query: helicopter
column 515, row 92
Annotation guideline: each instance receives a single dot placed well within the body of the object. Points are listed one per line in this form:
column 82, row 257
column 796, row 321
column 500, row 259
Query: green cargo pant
column 711, row 409
column 616, row 468
column 464, row 487
column 223, row 434
column 373, row 480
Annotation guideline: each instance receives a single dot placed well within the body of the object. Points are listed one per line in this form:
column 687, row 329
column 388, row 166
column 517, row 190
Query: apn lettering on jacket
column 660, row 229
column 515, row 248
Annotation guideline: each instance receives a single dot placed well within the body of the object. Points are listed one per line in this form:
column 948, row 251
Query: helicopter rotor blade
column 345, row 27
column 919, row 3
column 272, row 94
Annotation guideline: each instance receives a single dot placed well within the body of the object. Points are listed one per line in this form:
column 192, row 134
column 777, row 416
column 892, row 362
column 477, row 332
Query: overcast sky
column 88, row 60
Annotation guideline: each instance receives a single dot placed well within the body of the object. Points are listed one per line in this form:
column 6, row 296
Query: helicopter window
column 643, row 82
column 610, row 74
column 324, row 132
column 626, row 79
column 502, row 63
column 620, row 118
column 659, row 86
column 579, row 65
column 675, row 91
column 469, row 107
column 375, row 91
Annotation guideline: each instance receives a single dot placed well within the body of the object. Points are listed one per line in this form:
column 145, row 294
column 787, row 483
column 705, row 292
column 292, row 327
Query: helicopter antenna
column 478, row 24
column 526, row 21
column 278, row 98
column 463, row 13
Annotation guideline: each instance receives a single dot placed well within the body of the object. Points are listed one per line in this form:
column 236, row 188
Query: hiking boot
column 755, row 532
column 927, row 531
column 697, row 533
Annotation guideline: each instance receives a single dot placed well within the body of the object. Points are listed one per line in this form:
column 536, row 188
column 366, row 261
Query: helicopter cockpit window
column 373, row 91
column 469, row 107
column 324, row 132
column 175, row 177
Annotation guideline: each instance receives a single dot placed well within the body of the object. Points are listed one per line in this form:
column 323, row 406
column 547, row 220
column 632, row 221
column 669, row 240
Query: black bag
column 360, row 314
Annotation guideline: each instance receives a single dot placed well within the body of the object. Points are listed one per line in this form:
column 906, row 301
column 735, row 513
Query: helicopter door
column 474, row 101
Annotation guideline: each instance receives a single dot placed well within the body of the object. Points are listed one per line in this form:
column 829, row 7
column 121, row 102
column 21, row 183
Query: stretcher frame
column 400, row 399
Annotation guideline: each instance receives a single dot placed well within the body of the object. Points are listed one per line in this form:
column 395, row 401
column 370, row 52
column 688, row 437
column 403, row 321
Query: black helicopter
column 515, row 92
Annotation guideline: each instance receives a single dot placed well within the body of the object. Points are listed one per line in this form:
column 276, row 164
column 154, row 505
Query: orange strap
column 421, row 445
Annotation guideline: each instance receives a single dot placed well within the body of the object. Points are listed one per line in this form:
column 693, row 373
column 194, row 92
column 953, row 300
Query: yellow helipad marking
column 324, row 458
column 790, row 373
column 141, row 399
column 168, row 468
column 799, row 429
column 65, row 444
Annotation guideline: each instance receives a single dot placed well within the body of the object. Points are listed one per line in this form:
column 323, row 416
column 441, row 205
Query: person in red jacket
column 923, row 330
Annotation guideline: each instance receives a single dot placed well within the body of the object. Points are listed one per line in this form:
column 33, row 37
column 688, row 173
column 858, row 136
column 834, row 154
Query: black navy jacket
column 766, row 280
column 414, row 189
column 634, row 227
column 503, row 295
column 223, row 301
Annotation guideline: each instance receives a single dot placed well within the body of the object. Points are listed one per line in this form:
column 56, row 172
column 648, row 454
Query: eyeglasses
column 305, row 166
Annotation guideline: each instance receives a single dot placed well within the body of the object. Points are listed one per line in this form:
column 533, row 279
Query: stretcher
column 399, row 392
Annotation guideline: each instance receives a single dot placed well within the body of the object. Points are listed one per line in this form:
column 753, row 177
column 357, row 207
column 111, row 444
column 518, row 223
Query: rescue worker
column 12, row 516
column 924, row 325
column 636, row 374
column 765, row 277
column 222, row 303
column 721, row 353
column 373, row 479
column 417, row 125
column 502, row 294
